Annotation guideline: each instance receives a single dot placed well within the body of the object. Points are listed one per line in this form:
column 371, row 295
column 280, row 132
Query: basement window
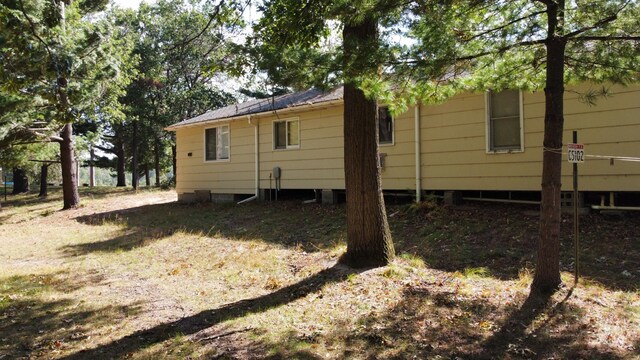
column 217, row 143
column 286, row 134
column 504, row 121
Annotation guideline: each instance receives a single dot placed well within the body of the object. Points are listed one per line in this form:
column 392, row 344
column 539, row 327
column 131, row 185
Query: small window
column 217, row 143
column 286, row 134
column 385, row 126
column 504, row 121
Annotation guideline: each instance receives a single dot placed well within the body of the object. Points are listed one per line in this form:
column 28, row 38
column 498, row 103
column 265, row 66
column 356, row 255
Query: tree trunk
column 92, row 170
column 369, row 240
column 20, row 182
column 67, row 159
column 547, row 274
column 147, row 179
column 174, row 163
column 156, row 159
column 134, row 158
column 44, row 174
column 120, row 165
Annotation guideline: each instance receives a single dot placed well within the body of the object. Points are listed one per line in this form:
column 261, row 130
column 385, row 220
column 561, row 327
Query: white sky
column 132, row 4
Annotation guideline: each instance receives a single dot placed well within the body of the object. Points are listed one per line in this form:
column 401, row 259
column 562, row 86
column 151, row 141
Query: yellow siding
column 318, row 163
column 234, row 176
column 454, row 153
column 453, row 149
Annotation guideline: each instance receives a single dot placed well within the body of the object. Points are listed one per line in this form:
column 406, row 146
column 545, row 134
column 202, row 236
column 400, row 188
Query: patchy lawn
column 136, row 275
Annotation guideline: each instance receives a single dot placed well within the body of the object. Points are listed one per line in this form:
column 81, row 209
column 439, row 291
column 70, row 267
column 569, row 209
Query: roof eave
column 177, row 126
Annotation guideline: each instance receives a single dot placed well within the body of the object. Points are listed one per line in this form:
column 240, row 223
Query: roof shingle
column 301, row 98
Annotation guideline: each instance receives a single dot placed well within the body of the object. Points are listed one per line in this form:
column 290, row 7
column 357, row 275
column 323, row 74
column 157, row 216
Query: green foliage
column 54, row 72
column 477, row 45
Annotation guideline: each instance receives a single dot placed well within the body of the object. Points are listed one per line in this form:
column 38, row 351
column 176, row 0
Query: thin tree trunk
column 70, row 193
column 156, row 159
column 134, row 160
column 547, row 274
column 92, row 170
column 369, row 240
column 174, row 163
column 147, row 179
column 20, row 182
column 44, row 174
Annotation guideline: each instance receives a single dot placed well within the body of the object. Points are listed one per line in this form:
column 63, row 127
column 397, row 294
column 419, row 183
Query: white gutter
column 175, row 127
column 418, row 153
column 257, row 162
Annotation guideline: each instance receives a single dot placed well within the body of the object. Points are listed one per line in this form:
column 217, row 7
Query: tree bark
column 147, row 179
column 92, row 170
column 71, row 197
column 20, row 182
column 120, row 165
column 547, row 274
column 369, row 240
column 174, row 162
column 44, row 174
column 134, row 158
column 156, row 160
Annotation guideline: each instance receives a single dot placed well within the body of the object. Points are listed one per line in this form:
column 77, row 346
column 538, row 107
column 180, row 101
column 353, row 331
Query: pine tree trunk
column 92, row 169
column 147, row 179
column 70, row 193
column 20, row 182
column 547, row 274
column 174, row 162
column 120, row 165
column 369, row 240
column 134, row 158
column 44, row 175
column 156, row 160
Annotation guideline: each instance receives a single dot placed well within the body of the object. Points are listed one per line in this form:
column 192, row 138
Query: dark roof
column 296, row 99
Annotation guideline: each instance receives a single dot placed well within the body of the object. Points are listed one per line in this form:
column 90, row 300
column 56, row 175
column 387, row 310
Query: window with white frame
column 286, row 134
column 217, row 143
column 504, row 121
column 385, row 126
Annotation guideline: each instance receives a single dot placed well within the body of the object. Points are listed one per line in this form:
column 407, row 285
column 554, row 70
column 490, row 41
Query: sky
column 132, row 4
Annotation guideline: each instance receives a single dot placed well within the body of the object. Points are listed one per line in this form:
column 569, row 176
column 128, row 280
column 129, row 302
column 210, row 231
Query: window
column 217, row 143
column 286, row 134
column 504, row 121
column 385, row 126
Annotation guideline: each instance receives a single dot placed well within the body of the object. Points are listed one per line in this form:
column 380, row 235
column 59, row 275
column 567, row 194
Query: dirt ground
column 137, row 275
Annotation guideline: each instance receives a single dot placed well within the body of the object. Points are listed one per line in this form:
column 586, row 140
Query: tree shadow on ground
column 311, row 227
column 502, row 238
column 40, row 206
column 34, row 327
column 190, row 325
column 497, row 238
column 432, row 324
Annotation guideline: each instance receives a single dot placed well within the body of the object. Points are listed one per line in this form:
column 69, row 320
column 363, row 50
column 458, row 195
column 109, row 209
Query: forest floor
column 137, row 275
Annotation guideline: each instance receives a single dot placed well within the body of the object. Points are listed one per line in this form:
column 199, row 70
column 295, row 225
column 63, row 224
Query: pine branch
column 606, row 38
column 505, row 25
column 599, row 23
column 32, row 26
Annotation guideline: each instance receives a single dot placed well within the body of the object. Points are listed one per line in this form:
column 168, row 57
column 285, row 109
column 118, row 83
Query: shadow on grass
column 500, row 240
column 33, row 327
column 143, row 339
column 497, row 239
column 429, row 324
column 311, row 227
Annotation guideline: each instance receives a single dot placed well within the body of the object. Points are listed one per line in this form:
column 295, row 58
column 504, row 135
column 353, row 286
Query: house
column 486, row 145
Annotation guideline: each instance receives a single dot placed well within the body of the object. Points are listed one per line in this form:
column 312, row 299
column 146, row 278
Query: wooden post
column 576, row 227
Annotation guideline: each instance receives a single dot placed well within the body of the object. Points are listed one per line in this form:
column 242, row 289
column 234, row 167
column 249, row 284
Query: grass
column 136, row 275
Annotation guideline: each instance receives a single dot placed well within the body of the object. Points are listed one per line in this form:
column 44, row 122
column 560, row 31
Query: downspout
column 257, row 162
column 418, row 154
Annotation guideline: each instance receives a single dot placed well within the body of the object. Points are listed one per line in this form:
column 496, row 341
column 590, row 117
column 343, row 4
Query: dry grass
column 136, row 275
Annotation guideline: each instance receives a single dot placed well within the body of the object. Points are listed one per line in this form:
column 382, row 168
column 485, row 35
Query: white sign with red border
column 575, row 153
